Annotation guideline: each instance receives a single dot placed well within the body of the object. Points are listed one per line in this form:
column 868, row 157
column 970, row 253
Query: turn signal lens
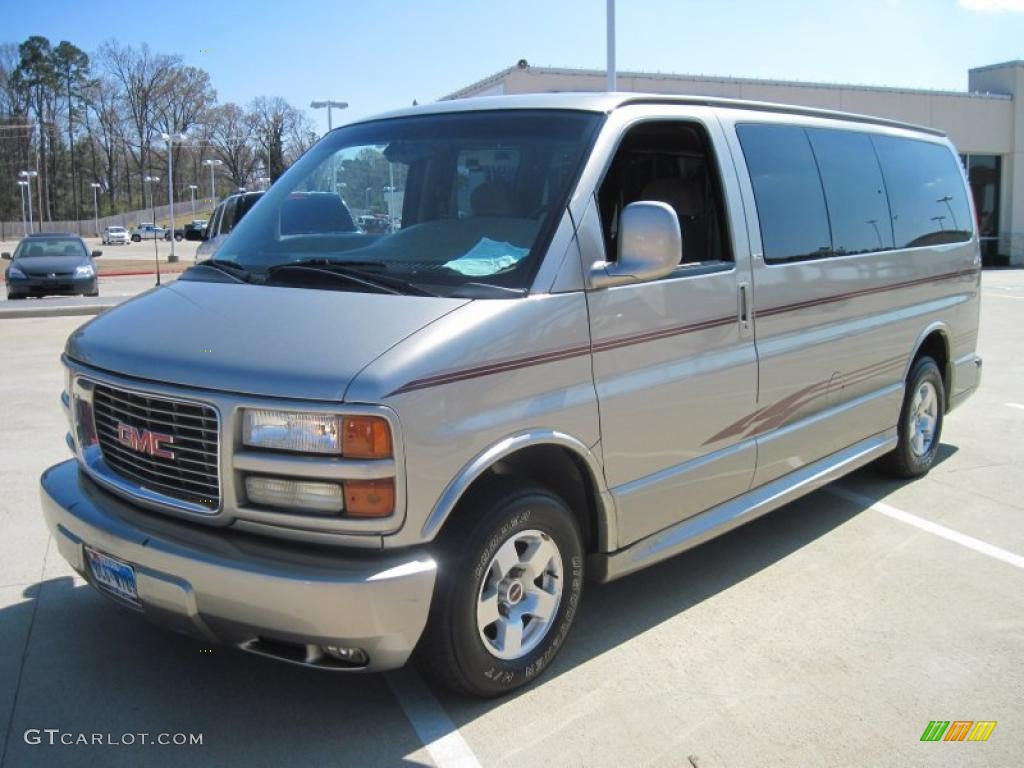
column 369, row 498
column 366, row 437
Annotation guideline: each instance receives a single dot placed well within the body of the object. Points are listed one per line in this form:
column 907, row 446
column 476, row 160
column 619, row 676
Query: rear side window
column 230, row 216
column 788, row 192
column 926, row 192
column 858, row 209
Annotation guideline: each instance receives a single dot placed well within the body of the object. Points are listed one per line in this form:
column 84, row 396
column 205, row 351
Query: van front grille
column 183, row 467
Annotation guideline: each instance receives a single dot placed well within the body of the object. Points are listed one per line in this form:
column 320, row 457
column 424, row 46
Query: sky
column 382, row 55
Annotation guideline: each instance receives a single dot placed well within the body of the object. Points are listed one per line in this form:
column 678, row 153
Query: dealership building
column 986, row 122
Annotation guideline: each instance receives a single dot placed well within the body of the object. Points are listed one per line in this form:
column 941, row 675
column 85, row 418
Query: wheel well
column 936, row 347
column 558, row 469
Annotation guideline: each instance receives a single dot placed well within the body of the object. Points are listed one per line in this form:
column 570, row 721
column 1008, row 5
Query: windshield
column 50, row 246
column 441, row 201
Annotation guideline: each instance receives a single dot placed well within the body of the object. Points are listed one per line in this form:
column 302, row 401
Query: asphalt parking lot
column 828, row 633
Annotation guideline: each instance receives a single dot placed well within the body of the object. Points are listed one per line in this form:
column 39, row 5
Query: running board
column 717, row 520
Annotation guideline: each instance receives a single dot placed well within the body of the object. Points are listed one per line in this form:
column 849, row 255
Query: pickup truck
column 146, row 231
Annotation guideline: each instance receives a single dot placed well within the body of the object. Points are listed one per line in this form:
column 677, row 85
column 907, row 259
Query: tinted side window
column 858, row 208
column 230, row 215
column 787, row 190
column 926, row 192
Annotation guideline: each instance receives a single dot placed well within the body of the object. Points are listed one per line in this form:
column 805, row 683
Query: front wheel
column 509, row 584
column 136, row 239
column 920, row 425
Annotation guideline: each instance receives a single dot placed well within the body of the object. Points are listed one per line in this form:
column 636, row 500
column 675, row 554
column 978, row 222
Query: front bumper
column 44, row 286
column 277, row 599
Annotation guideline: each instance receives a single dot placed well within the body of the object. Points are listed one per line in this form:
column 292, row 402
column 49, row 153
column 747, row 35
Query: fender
column 943, row 330
column 607, row 529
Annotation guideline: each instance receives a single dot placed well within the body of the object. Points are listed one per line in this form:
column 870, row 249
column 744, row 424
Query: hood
column 249, row 339
column 43, row 265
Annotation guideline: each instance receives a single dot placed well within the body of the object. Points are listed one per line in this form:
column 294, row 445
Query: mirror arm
column 599, row 276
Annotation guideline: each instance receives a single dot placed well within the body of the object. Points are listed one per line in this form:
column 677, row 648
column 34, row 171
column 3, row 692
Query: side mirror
column 5, row 256
column 650, row 246
column 97, row 254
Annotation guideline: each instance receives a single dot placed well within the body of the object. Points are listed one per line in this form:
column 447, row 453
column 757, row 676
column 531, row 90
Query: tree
column 276, row 121
column 145, row 77
column 36, row 81
column 72, row 65
column 231, row 134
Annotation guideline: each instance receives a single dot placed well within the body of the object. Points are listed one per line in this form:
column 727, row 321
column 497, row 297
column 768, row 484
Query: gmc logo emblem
column 144, row 441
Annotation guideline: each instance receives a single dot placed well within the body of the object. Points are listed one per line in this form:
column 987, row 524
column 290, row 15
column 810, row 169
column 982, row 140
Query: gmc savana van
column 602, row 329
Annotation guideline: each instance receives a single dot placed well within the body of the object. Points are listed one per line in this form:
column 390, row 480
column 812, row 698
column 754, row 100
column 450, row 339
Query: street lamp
column 170, row 139
column 96, row 206
column 28, row 176
column 329, row 103
column 213, row 163
column 24, row 221
column 264, row 180
column 152, row 202
column 192, row 194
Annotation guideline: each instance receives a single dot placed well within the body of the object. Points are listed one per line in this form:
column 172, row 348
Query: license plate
column 111, row 574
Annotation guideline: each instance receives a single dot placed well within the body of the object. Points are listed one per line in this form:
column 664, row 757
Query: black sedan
column 51, row 263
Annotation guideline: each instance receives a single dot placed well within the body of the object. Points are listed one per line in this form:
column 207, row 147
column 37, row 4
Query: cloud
column 992, row 6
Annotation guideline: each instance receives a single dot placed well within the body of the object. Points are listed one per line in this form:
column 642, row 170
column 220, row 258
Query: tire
column 15, row 296
column 136, row 239
column 459, row 649
column 920, row 424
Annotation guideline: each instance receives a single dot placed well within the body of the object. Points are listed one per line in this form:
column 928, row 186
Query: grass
column 138, row 266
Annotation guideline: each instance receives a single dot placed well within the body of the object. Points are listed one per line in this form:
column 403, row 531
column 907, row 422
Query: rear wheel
column 136, row 239
column 509, row 584
column 920, row 425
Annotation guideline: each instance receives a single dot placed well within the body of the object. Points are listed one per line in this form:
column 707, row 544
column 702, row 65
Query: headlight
column 354, row 437
column 284, row 431
column 84, row 270
column 13, row 271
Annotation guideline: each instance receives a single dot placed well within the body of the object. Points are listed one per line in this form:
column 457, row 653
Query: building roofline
column 1000, row 65
column 499, row 76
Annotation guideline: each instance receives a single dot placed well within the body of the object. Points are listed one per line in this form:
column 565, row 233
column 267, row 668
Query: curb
column 80, row 311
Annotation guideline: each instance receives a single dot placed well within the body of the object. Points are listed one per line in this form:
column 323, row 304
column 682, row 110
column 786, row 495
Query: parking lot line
column 438, row 733
column 1014, row 405
column 927, row 525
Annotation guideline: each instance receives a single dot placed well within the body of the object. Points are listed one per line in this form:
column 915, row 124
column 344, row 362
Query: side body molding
column 607, row 530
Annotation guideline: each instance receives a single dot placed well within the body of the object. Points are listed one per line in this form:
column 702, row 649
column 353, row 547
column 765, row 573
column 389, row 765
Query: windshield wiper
column 353, row 272
column 229, row 268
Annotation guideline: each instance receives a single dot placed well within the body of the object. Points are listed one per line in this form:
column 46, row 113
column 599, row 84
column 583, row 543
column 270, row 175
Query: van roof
column 608, row 102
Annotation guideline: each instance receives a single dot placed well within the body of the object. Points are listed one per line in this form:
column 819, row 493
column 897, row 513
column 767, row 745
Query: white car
column 115, row 235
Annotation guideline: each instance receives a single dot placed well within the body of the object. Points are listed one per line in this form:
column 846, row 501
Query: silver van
column 604, row 329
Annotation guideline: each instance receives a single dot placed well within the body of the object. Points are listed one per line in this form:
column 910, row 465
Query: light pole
column 611, row 45
column 329, row 103
column 24, row 221
column 152, row 202
column 192, row 193
column 96, row 206
column 213, row 163
column 264, row 181
column 170, row 139
column 28, row 176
